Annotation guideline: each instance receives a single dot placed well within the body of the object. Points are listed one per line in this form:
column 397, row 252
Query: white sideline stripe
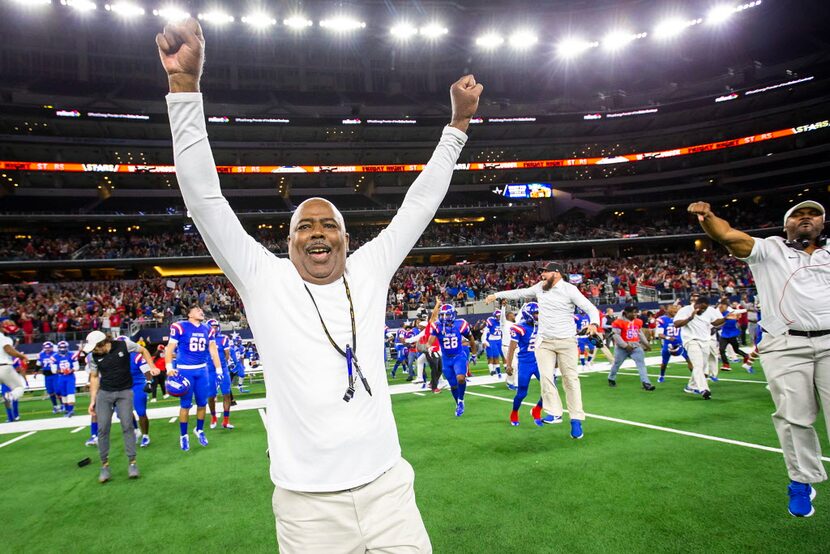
column 262, row 416
column 724, row 379
column 172, row 419
column 658, row 428
column 418, row 393
column 8, row 442
column 77, row 429
column 488, row 386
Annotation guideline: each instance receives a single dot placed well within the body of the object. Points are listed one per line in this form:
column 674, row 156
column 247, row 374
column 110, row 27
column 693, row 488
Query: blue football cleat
column 512, row 387
column 539, row 422
column 184, row 443
column 92, row 441
column 145, row 441
column 576, row 429
column 459, row 408
column 552, row 419
column 514, row 423
column 202, row 438
column 661, row 379
column 690, row 390
column 801, row 499
column 714, row 379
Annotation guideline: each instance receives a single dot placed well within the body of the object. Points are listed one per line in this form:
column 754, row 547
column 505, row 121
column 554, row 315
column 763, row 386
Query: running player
column 728, row 336
column 584, row 344
column 221, row 376
column 448, row 332
column 492, row 342
column 401, row 349
column 191, row 341
column 523, row 337
column 672, row 343
column 45, row 363
column 64, row 365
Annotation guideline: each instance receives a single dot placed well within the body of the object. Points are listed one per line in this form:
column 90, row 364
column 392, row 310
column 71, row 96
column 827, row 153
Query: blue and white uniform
column 493, row 336
column 583, row 339
column 192, row 352
column 138, row 365
column 672, row 340
column 64, row 365
column 45, row 362
column 223, row 344
column 453, row 353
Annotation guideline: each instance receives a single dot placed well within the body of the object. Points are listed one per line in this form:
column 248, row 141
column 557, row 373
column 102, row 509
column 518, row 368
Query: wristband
column 168, row 366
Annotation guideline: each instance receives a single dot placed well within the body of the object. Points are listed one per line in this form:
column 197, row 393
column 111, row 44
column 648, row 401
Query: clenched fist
column 182, row 52
column 464, row 94
column 700, row 209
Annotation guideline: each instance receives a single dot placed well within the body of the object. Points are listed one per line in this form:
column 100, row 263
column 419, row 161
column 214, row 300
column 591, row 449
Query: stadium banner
column 410, row 168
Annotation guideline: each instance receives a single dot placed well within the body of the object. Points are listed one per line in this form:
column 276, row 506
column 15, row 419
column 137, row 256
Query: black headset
column 802, row 244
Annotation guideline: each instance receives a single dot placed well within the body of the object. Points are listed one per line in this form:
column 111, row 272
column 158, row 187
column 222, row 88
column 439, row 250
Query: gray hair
column 337, row 215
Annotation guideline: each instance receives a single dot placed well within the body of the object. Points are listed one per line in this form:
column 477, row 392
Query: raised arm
column 393, row 244
column 181, row 49
column 515, row 294
column 737, row 242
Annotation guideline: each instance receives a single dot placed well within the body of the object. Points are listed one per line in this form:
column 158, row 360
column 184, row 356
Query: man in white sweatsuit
column 341, row 484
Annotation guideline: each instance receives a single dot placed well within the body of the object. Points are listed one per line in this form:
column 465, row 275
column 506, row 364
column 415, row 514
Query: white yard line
column 76, row 430
column 488, row 386
column 262, row 416
column 8, row 442
column 418, row 393
column 173, row 419
column 658, row 428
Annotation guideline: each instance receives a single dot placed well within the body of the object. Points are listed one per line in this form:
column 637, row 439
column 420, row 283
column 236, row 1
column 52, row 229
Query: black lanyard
column 349, row 352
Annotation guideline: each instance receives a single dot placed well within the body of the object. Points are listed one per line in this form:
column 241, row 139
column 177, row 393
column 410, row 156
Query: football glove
column 148, row 387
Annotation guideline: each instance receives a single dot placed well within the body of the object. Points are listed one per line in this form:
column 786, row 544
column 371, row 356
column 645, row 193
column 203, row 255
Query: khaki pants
column 379, row 517
column 798, row 372
column 561, row 353
column 698, row 351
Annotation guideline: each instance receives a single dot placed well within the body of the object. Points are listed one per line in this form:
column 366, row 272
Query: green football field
column 653, row 474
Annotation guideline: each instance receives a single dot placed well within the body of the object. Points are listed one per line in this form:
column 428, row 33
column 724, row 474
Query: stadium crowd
column 58, row 311
column 146, row 244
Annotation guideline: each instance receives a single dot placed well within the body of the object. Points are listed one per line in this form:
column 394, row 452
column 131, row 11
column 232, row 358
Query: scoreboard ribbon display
column 408, row 168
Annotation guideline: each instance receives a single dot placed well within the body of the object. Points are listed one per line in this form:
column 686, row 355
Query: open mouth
column 318, row 252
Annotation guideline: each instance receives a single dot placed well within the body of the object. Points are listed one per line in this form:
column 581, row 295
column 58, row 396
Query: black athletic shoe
column 707, row 395
column 233, row 402
column 612, row 383
column 648, row 386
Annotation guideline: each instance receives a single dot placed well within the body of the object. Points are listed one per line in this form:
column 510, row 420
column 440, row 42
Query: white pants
column 379, row 517
column 798, row 372
column 698, row 351
column 13, row 380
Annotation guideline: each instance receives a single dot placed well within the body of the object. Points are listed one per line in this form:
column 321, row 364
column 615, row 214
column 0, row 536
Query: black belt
column 809, row 334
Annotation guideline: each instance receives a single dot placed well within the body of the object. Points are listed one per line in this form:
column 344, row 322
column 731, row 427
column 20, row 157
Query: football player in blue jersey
column 448, row 332
column 523, row 339
column 64, row 365
column 672, row 340
column 491, row 340
column 236, row 365
column 401, row 350
column 220, row 376
column 410, row 337
column 584, row 343
column 45, row 362
column 191, row 341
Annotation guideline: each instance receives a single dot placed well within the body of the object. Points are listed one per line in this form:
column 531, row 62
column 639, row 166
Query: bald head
column 295, row 217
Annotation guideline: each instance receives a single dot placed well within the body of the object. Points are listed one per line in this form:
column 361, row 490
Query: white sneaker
column 92, row 441
column 166, row 396
column 213, row 423
column 153, row 400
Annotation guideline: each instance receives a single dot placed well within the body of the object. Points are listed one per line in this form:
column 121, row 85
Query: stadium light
column 259, row 20
column 342, row 24
column 125, row 9
column 670, row 28
column 171, row 13
column 403, row 31
column 523, row 39
column 489, row 41
column 216, row 17
column 297, row 22
column 433, row 31
column 80, row 5
column 572, row 47
column 719, row 14
column 615, row 40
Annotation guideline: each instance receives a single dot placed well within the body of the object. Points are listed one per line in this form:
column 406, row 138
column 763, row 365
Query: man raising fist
column 792, row 276
column 341, row 484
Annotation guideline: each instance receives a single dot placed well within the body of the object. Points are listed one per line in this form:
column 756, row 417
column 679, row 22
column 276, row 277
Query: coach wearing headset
column 792, row 276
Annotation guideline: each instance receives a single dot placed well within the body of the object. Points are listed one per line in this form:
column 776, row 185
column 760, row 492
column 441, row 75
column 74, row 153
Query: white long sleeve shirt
column 317, row 441
column 556, row 308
